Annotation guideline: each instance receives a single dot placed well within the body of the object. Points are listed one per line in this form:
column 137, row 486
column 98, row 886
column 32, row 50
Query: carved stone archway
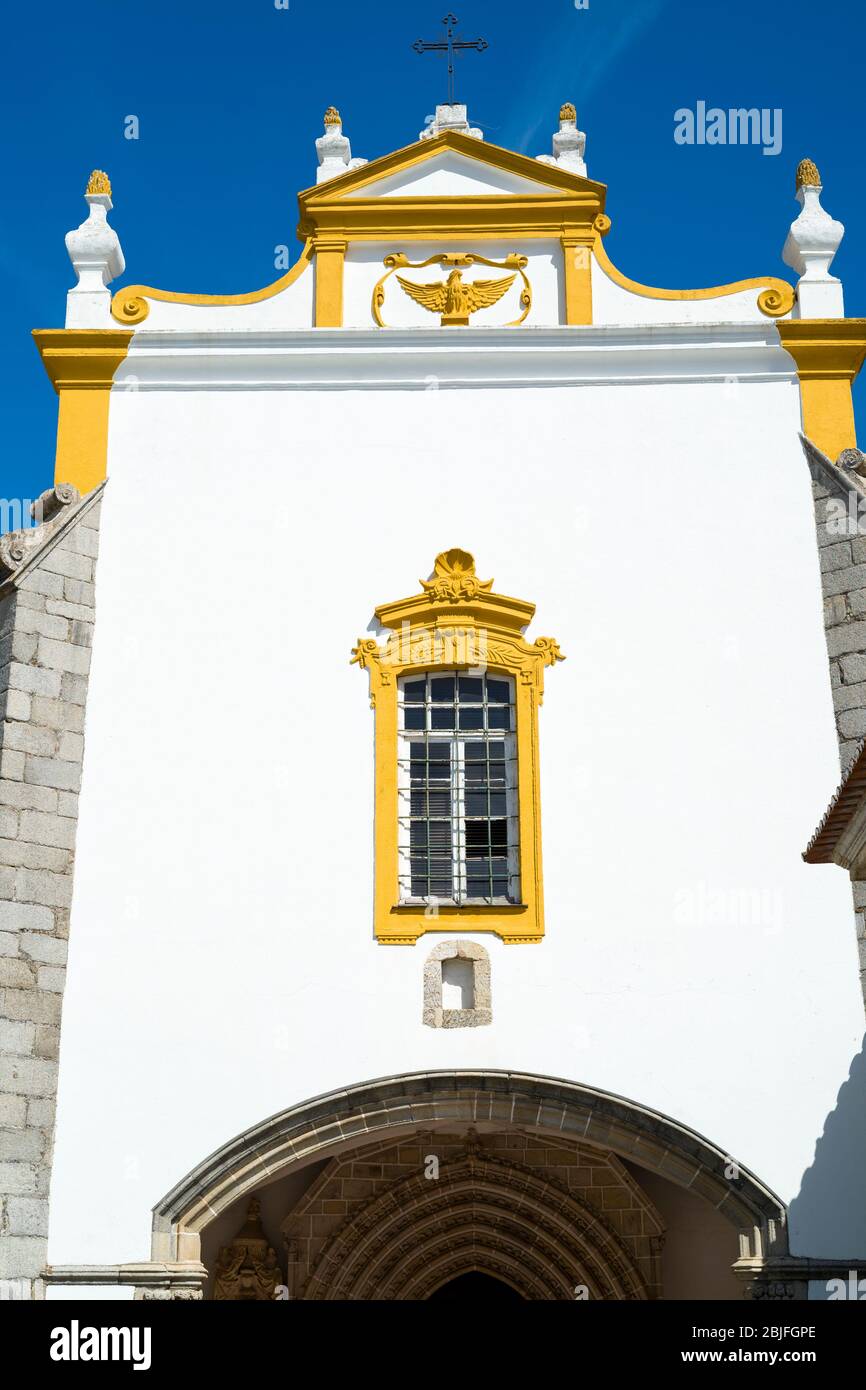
column 489, row 1101
column 483, row 1215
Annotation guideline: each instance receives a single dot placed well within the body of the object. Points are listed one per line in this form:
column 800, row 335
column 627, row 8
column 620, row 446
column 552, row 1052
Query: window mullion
column 459, row 818
column 512, row 810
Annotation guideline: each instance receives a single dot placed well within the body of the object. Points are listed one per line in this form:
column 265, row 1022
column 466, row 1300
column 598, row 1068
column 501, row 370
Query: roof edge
column 46, row 536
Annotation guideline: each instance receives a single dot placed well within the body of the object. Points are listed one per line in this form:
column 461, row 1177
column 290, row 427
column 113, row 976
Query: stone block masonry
column 46, row 627
column 840, row 525
column 839, row 495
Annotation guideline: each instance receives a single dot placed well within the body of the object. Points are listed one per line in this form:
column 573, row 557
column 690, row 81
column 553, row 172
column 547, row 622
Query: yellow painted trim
column 399, row 261
column 777, row 297
column 81, row 364
column 829, row 354
column 330, row 254
column 563, row 205
column 476, row 218
column 457, row 623
column 129, row 305
column 577, row 273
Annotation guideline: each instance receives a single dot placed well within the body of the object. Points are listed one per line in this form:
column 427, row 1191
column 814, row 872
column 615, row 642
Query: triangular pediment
column 449, row 174
column 451, row 165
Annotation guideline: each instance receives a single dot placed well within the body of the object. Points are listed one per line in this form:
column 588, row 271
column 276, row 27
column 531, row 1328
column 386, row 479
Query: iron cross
column 450, row 45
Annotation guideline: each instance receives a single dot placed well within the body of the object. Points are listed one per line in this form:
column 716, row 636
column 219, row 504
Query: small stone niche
column 457, row 986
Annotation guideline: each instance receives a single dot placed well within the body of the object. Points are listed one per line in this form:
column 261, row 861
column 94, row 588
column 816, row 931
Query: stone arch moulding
column 335, row 1123
column 483, row 1213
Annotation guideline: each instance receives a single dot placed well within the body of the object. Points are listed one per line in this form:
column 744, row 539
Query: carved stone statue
column 248, row 1270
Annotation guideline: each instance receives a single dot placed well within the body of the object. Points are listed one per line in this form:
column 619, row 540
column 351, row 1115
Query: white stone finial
column 334, row 149
column 97, row 259
column 810, row 249
column 569, row 144
column 449, row 118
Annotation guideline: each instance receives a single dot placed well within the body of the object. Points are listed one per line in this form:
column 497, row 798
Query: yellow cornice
column 824, row 348
column 81, row 364
column 777, row 297
column 466, row 218
column 829, row 353
column 129, row 305
column 564, row 203
column 496, row 613
column 81, row 359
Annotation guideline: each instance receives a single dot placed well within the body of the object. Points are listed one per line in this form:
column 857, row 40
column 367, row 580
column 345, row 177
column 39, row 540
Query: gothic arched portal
column 488, row 1214
column 481, row 1212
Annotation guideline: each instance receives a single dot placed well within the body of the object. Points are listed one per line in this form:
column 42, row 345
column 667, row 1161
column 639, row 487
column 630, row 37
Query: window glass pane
column 414, row 717
column 476, row 752
column 414, row 692
column 441, row 883
column 498, row 718
column 442, row 690
column 476, row 803
column 439, row 767
column 499, row 834
column 498, row 692
column 471, row 717
column 497, row 774
column 477, row 842
column 442, row 718
column 497, row 749
column 471, row 689
column 497, row 803
column 440, row 836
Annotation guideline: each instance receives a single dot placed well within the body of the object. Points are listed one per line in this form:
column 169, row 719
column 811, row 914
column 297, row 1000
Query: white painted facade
column 642, row 481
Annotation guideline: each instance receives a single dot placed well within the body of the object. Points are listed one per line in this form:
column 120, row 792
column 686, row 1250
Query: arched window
column 456, row 690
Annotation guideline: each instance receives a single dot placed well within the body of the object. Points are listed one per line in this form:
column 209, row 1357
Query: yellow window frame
column 458, row 623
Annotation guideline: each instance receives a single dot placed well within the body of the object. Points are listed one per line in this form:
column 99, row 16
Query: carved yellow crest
column 454, row 298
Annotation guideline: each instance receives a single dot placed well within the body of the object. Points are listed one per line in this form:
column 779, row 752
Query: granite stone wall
column 46, row 629
column 839, row 491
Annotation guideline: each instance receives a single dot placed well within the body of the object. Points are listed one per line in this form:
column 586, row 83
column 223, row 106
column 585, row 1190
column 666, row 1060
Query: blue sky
column 230, row 96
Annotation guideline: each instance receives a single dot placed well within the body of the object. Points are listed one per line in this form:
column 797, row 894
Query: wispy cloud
column 579, row 55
